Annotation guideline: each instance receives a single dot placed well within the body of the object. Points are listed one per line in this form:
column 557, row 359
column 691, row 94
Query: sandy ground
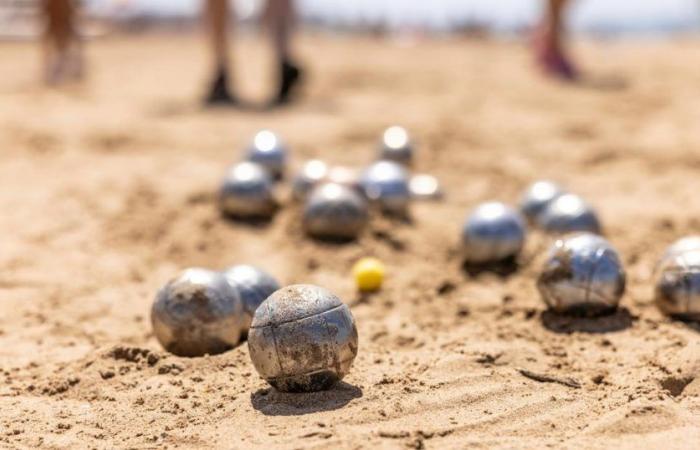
column 107, row 191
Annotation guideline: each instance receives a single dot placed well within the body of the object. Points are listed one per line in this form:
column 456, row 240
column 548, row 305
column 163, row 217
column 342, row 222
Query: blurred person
column 63, row 59
column 549, row 45
column 280, row 17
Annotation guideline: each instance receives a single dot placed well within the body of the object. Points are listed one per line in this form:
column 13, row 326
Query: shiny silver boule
column 396, row 146
column 335, row 211
column 569, row 213
column 247, row 192
column 492, row 232
column 197, row 313
column 386, row 184
column 683, row 245
column 302, row 339
column 583, row 275
column 537, row 197
column 425, row 187
column 677, row 289
column 268, row 150
column 311, row 174
column 254, row 286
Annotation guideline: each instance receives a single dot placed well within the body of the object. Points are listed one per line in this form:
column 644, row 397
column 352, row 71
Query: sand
column 108, row 190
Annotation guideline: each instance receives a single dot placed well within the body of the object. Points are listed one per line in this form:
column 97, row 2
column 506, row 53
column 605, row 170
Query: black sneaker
column 290, row 76
column 219, row 94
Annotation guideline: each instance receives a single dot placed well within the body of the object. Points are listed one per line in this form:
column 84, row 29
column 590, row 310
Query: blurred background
column 439, row 16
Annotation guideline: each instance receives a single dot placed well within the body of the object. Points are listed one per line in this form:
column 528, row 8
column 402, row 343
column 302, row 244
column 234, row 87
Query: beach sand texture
column 108, row 190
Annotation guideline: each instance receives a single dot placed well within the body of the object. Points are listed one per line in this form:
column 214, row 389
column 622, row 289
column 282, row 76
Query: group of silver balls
column 303, row 338
column 495, row 231
column 336, row 199
column 583, row 274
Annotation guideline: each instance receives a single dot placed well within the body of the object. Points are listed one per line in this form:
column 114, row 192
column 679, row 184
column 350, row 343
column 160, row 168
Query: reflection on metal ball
column 537, row 197
column 312, row 173
column 302, row 339
column 247, row 192
column 386, row 184
column 583, row 275
column 425, row 187
column 268, row 150
column 197, row 313
column 492, row 232
column 396, row 146
column 677, row 277
column 683, row 245
column 254, row 286
column 569, row 213
column 335, row 211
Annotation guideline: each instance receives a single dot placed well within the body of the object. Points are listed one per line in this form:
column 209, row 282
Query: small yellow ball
column 369, row 274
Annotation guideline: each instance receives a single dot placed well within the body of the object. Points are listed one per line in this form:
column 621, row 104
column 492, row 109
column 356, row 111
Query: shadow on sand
column 619, row 320
column 608, row 83
column 174, row 108
column 259, row 222
column 271, row 402
column 333, row 241
column 504, row 268
column 690, row 322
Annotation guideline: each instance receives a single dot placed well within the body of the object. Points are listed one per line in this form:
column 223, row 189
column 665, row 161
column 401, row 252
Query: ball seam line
column 277, row 352
column 298, row 318
column 331, row 339
column 311, row 372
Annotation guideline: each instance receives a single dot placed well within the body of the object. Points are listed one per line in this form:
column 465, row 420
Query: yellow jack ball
column 369, row 274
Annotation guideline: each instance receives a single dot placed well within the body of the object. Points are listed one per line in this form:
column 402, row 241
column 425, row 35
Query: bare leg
column 217, row 20
column 63, row 57
column 280, row 16
column 549, row 42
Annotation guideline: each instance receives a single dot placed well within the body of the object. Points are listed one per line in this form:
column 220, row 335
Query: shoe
column 219, row 94
column 290, row 76
column 555, row 64
column 552, row 60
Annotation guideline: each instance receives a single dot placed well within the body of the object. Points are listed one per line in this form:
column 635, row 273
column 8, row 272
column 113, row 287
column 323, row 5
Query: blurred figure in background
column 63, row 59
column 280, row 18
column 549, row 42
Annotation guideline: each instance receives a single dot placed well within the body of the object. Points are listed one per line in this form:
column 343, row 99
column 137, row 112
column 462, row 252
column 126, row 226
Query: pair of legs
column 63, row 59
column 62, row 48
column 280, row 19
column 549, row 42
